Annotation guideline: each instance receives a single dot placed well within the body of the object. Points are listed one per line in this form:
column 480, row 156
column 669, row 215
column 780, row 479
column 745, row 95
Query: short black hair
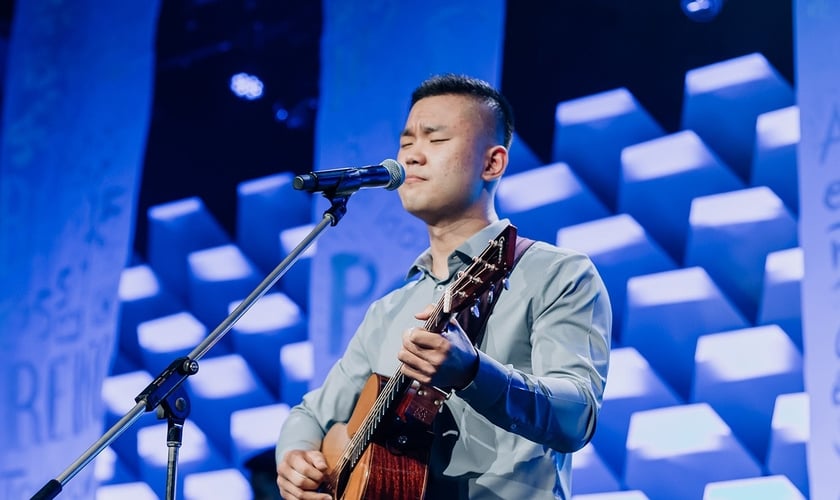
column 449, row 83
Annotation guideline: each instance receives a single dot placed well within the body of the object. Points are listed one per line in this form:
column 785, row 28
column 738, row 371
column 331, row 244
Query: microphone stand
column 166, row 395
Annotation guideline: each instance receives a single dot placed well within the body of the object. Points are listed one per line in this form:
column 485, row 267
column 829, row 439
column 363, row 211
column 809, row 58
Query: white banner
column 818, row 94
column 77, row 101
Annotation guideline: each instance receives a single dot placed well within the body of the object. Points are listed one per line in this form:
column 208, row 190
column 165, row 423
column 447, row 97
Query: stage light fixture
column 246, row 86
column 701, row 11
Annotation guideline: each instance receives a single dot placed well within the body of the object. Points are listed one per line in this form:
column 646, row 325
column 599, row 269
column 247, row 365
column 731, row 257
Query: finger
column 311, row 465
column 316, row 458
column 408, row 356
column 288, row 490
column 314, row 495
column 412, row 373
column 291, row 479
column 298, row 482
column 413, row 340
column 420, row 356
column 414, row 358
column 294, row 493
column 424, row 340
column 426, row 313
column 297, row 473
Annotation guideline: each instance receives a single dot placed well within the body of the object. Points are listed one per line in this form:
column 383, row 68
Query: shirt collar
column 469, row 249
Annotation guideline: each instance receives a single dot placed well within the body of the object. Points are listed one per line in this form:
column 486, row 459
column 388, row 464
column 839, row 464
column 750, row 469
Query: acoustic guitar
column 381, row 453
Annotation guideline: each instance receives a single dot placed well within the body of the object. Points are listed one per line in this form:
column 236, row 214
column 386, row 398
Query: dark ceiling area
column 204, row 140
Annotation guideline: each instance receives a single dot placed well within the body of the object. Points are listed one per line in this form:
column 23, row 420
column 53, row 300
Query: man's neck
column 444, row 239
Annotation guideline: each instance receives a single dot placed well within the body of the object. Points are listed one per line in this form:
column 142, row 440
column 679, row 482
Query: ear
column 495, row 163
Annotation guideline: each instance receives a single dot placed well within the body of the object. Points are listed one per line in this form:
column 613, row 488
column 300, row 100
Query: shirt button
column 513, row 427
column 439, row 287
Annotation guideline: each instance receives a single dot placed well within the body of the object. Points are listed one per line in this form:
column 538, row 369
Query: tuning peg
column 506, row 283
column 474, row 310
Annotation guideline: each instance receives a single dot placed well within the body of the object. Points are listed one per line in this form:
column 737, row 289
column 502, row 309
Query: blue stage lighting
column 281, row 113
column 701, row 10
column 246, row 86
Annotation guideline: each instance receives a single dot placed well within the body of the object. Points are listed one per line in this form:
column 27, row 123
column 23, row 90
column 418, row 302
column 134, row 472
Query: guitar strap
column 474, row 319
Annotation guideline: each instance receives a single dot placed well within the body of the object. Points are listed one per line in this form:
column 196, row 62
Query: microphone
column 342, row 181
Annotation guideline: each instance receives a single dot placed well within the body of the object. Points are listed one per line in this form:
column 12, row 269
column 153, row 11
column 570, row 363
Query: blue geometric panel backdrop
column 704, row 213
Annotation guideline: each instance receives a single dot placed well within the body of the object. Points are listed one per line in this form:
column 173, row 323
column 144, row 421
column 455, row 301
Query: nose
column 412, row 155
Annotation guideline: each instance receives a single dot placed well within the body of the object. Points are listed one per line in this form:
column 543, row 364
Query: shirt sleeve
column 332, row 402
column 556, row 402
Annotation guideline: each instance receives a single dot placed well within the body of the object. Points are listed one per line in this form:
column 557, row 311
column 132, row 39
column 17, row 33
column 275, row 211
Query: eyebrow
column 426, row 129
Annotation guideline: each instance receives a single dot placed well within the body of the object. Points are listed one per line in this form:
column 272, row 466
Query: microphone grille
column 397, row 172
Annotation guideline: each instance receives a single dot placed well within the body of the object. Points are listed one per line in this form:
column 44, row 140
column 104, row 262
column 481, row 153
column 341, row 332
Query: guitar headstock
column 493, row 264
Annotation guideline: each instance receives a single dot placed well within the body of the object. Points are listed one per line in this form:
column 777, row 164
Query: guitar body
column 393, row 465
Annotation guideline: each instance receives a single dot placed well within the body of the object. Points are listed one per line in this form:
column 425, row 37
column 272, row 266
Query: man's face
column 443, row 149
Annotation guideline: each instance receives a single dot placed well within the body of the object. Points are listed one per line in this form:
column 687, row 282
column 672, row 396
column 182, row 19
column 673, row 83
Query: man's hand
column 299, row 475
column 445, row 360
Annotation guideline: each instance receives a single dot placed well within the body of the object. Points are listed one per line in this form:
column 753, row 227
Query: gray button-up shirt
column 536, row 395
